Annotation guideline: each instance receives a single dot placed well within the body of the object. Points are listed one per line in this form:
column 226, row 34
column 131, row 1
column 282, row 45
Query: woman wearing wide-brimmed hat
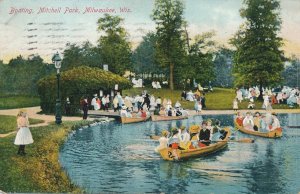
column 23, row 136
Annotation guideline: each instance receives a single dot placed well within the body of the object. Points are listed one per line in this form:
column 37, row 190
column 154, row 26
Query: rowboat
column 133, row 119
column 167, row 153
column 271, row 134
column 167, row 118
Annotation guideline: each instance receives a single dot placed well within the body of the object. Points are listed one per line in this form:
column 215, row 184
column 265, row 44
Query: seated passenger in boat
column 257, row 121
column 217, row 132
column 239, row 118
column 141, row 113
column 178, row 112
column 275, row 122
column 204, row 135
column 163, row 141
column 264, row 127
column 209, row 127
column 194, row 136
column 248, row 122
column 174, row 142
column 162, row 111
column 170, row 112
column 123, row 111
column 184, row 138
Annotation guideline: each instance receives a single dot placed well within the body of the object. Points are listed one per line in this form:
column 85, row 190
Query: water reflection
column 120, row 158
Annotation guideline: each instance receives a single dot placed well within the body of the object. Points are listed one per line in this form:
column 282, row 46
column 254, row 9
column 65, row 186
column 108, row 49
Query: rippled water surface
column 112, row 157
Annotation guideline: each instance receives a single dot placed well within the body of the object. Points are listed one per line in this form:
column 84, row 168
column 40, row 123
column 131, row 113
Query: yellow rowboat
column 167, row 118
column 133, row 119
column 168, row 153
column 271, row 134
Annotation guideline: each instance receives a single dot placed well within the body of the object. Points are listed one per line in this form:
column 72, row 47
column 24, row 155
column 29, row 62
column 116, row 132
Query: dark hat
column 174, row 130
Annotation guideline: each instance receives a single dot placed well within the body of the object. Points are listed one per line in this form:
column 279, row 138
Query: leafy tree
column 258, row 59
column 144, row 56
column 201, row 58
column 113, row 46
column 20, row 75
column 85, row 54
column 170, row 52
column 223, row 68
column 291, row 73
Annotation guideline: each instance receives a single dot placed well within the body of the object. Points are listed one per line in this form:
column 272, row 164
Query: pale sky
column 32, row 33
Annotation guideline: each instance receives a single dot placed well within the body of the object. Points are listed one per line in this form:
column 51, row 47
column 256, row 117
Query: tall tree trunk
column 171, row 76
column 260, row 97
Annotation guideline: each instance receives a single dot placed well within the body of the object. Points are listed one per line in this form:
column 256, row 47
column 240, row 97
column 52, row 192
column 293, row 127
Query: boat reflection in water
column 120, row 158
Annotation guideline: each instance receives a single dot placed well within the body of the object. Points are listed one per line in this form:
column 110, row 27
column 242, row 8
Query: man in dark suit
column 204, row 135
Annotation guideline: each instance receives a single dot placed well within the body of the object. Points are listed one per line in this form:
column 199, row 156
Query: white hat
column 95, row 95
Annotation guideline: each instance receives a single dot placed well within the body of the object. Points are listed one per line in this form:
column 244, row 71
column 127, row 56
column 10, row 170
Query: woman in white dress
column 23, row 136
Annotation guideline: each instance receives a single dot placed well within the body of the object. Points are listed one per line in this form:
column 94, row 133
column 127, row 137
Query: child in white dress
column 23, row 136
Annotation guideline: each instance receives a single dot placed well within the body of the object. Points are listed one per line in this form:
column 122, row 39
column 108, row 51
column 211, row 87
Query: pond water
column 114, row 157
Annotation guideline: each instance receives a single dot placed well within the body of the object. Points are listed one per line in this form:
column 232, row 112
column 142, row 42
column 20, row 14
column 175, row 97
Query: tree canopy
column 258, row 59
column 143, row 57
column 78, row 55
column 170, row 47
column 20, row 75
column 291, row 73
column 113, row 45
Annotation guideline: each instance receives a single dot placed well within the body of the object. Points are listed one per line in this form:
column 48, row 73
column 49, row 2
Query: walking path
column 33, row 113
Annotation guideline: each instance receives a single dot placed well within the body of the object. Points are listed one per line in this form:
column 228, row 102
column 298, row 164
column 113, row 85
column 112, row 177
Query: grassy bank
column 9, row 123
column 39, row 170
column 10, row 102
column 219, row 99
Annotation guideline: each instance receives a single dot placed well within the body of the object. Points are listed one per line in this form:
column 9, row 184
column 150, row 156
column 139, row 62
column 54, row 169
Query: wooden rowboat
column 271, row 134
column 167, row 153
column 167, row 118
column 133, row 119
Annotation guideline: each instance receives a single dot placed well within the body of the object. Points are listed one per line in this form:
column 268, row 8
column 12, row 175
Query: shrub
column 76, row 83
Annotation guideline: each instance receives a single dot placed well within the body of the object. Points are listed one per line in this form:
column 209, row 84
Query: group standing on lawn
column 285, row 95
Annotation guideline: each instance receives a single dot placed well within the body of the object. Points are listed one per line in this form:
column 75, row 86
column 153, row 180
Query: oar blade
column 245, row 140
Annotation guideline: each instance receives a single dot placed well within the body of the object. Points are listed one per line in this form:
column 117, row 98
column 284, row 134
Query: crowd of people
column 198, row 97
column 258, row 122
column 130, row 106
column 284, row 95
column 194, row 137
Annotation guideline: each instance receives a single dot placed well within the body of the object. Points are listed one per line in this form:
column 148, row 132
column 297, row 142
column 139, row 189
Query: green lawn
column 219, row 99
column 38, row 171
column 10, row 102
column 9, row 123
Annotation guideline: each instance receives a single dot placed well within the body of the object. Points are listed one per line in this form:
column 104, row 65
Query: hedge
column 76, row 83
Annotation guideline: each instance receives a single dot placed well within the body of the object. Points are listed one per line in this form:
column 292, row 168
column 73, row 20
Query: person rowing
column 163, row 141
column 184, row 138
column 204, row 135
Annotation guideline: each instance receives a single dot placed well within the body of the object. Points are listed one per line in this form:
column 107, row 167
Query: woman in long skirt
column 23, row 136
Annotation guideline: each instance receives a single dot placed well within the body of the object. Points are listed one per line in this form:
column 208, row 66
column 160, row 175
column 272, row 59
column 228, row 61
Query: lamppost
column 57, row 62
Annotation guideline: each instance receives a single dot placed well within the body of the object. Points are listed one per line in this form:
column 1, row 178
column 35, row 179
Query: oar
column 244, row 140
column 154, row 137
